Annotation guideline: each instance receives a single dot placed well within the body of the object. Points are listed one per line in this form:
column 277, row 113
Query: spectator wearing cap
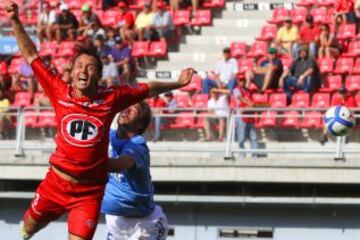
column 110, row 74
column 93, row 30
column 162, row 26
column 66, row 24
column 267, row 73
column 100, row 45
column 344, row 99
column 303, row 74
column 286, row 36
column 126, row 23
column 170, row 105
column 225, row 74
column 308, row 35
column 87, row 17
column 121, row 54
column 46, row 23
column 144, row 20
column 328, row 46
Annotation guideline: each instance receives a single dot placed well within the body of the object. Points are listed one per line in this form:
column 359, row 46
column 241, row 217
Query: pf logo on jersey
column 81, row 130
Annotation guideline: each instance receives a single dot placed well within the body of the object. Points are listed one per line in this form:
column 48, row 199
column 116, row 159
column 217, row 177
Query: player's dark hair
column 144, row 118
column 89, row 50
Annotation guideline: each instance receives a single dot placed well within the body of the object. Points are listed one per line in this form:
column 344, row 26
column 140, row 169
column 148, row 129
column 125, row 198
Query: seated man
column 66, row 24
column 218, row 108
column 303, row 74
column 121, row 54
column 126, row 23
column 267, row 74
column 162, row 26
column 286, row 36
column 225, row 74
column 308, row 35
column 88, row 17
column 110, row 74
column 99, row 43
column 46, row 21
column 144, row 20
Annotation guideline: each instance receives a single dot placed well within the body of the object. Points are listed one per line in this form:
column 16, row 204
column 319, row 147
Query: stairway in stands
column 238, row 21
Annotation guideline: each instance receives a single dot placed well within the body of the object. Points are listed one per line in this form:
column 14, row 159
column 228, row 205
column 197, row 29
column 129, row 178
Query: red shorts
column 82, row 202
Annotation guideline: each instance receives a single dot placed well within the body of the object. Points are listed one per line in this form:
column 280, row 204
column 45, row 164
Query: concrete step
column 219, row 39
column 199, row 66
column 245, row 14
column 193, row 57
column 239, row 23
column 211, row 48
column 244, row 31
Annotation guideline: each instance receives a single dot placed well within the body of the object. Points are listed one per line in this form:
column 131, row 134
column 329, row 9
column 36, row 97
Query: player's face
column 85, row 73
column 129, row 115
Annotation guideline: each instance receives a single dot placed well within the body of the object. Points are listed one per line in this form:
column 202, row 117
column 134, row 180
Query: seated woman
column 328, row 46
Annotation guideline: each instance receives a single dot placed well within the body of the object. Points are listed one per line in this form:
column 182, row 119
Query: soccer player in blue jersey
column 128, row 202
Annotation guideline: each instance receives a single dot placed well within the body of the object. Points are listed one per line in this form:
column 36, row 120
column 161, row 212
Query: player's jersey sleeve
column 47, row 79
column 129, row 95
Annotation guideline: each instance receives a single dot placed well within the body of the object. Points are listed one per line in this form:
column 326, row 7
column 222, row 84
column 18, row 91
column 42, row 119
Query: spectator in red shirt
column 308, row 35
column 344, row 12
column 126, row 23
column 170, row 104
column 344, row 99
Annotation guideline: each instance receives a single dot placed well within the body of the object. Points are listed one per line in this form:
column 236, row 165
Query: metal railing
column 227, row 148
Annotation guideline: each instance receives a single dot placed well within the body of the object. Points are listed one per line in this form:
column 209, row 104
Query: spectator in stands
column 286, row 36
column 66, row 24
column 88, row 17
column 308, row 35
column 121, row 54
column 170, row 104
column 162, row 26
column 144, row 20
column 110, row 74
column 344, row 99
column 24, row 80
column 107, row 4
column 303, row 74
column 94, row 29
column 46, row 23
column 184, row 4
column 5, row 81
column 126, row 23
column 225, row 74
column 218, row 110
column 110, row 37
column 344, row 12
column 328, row 46
column 4, row 119
column 267, row 74
column 100, row 45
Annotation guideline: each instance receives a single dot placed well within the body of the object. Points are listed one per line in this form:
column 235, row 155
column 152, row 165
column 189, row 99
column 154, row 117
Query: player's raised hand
column 185, row 76
column 11, row 9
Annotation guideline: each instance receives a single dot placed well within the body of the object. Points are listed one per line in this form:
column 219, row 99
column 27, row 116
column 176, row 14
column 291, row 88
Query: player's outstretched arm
column 156, row 88
column 26, row 46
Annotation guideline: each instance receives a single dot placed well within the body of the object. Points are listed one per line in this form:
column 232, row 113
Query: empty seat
column 333, row 82
column 31, row 118
column 22, row 99
column 311, row 119
column 320, row 100
column 66, row 49
column 326, row 3
column 238, row 49
column 214, row 3
column 290, row 119
column 300, row 100
column 181, row 17
column 277, row 100
column 352, row 83
column 158, row 49
column 48, row 49
column 259, row 98
column 353, row 49
column 319, row 15
column 344, row 65
column 268, row 33
column 200, row 100
column 298, row 15
column 326, row 65
column 47, row 119
column 245, row 64
column 258, row 49
column 267, row 119
column 73, row 4
column 356, row 68
column 184, row 120
column 140, row 49
column 182, row 100
column 346, row 31
column 279, row 14
column 201, row 18
column 335, row 98
column 110, row 18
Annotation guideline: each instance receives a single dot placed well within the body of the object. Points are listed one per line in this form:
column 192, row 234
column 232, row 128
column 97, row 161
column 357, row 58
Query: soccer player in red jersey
column 76, row 178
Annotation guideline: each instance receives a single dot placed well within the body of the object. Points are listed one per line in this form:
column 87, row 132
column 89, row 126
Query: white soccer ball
column 339, row 120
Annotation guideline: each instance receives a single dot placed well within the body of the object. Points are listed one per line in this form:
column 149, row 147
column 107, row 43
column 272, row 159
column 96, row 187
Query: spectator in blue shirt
column 267, row 74
column 121, row 55
column 128, row 203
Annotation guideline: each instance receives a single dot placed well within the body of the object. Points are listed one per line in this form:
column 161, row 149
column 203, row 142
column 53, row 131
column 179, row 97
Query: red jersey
column 83, row 123
column 242, row 93
column 127, row 19
column 309, row 34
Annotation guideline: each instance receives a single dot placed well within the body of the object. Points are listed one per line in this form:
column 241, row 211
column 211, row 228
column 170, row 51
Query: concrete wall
column 203, row 221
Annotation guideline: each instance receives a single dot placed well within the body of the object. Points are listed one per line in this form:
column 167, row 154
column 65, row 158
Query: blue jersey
column 129, row 193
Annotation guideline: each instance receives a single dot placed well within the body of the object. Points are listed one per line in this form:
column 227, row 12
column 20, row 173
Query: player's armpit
column 120, row 164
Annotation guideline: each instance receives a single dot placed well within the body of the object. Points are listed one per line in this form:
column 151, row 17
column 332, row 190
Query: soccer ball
column 339, row 121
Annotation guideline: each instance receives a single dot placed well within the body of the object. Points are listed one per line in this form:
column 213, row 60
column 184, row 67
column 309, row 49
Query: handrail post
column 340, row 149
column 230, row 138
column 19, row 133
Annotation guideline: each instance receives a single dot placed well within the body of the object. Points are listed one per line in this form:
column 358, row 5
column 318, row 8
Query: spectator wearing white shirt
column 46, row 21
column 110, row 74
column 218, row 108
column 162, row 26
column 225, row 74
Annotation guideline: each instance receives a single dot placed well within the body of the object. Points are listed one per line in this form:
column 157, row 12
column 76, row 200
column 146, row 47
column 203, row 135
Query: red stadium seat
column 306, row 3
column 182, row 100
column 31, row 118
column 15, row 65
column 353, row 49
column 201, row 18
column 357, row 97
column 333, row 82
column 267, row 119
column 158, row 49
column 200, row 100
column 29, row 17
column 73, row 4
column 110, row 18
column 259, row 98
column 326, row 65
column 298, row 15
column 238, row 49
column 291, row 119
column 47, row 119
column 181, row 17
column 300, row 100
column 334, row 99
column 66, row 49
column 60, row 63
column 356, row 68
column 319, row 15
column 268, row 33
column 326, row 3
column 352, row 83
column 279, row 14
column 214, row 3
column 311, row 120
column 245, row 64
column 22, row 99
column 184, row 120
column 140, row 49
column 258, row 49
column 194, row 85
column 344, row 65
column 320, row 100
column 346, row 31
column 277, row 100
column 48, row 49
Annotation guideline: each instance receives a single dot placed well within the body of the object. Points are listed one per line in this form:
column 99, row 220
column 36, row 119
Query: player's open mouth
column 83, row 78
